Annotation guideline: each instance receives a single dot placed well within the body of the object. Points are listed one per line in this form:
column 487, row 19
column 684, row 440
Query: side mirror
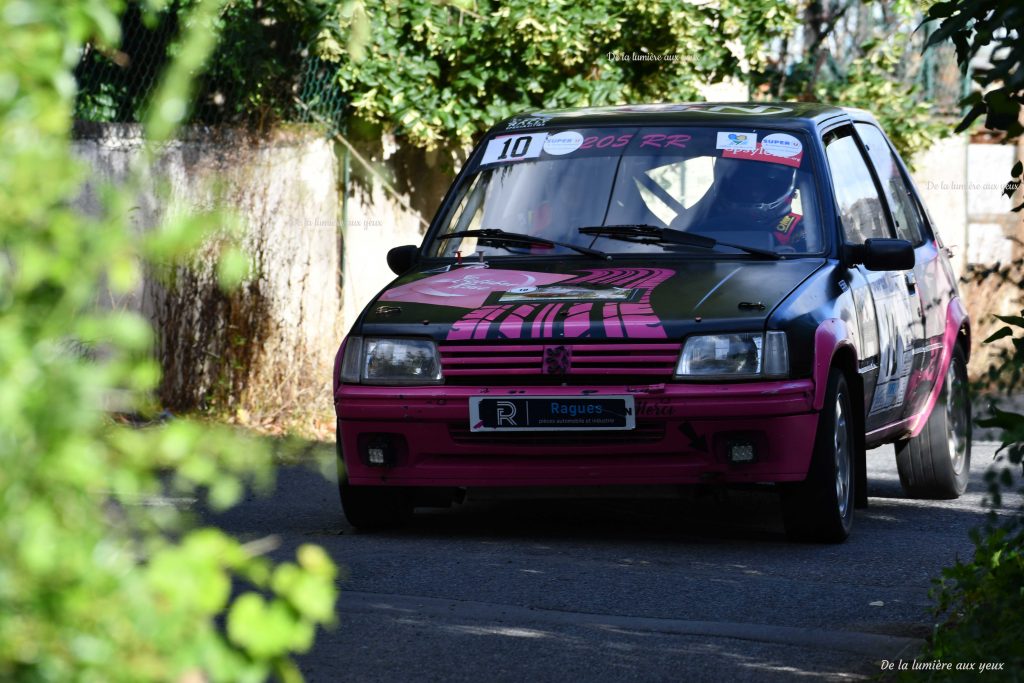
column 401, row 259
column 881, row 254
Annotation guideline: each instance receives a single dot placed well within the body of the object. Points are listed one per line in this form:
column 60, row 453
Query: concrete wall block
column 267, row 347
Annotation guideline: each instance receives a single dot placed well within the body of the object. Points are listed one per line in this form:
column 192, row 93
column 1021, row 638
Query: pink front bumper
column 682, row 436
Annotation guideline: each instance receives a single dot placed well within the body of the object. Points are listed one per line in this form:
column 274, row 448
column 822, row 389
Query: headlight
column 745, row 354
column 374, row 360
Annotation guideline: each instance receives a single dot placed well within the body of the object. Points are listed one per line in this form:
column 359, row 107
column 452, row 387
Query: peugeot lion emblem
column 557, row 360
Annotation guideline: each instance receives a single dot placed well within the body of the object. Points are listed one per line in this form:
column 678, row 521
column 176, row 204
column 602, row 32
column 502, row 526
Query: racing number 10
column 520, row 146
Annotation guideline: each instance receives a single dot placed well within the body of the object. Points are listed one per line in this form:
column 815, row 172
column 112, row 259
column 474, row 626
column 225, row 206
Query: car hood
column 570, row 300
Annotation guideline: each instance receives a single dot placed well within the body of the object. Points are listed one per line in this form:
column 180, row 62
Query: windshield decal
column 563, row 143
column 507, row 148
column 606, row 141
column 782, row 145
column 703, row 107
column 662, row 141
column 746, row 142
column 763, row 154
column 532, row 121
column 592, row 320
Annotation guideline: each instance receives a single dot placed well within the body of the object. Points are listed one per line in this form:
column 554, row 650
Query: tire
column 820, row 508
column 937, row 462
column 372, row 508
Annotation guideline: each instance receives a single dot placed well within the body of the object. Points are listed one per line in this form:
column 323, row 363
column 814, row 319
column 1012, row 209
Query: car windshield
column 750, row 187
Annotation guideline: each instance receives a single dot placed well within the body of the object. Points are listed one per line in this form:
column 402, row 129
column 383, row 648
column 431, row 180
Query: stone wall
column 962, row 184
column 375, row 220
column 266, row 349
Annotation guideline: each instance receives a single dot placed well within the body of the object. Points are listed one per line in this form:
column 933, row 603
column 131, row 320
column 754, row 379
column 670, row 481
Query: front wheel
column 375, row 507
column 372, row 507
column 820, row 508
column 937, row 462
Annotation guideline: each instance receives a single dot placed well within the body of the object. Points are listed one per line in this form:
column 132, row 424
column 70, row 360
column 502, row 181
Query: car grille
column 558, row 363
column 645, row 432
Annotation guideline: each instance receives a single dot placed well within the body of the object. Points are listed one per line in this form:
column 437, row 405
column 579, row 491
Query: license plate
column 551, row 413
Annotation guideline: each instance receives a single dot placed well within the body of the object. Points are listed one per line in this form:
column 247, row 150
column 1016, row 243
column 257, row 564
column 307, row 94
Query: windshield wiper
column 498, row 237
column 639, row 233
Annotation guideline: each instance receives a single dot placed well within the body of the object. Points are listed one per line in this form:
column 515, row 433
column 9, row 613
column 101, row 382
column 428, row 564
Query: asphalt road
column 702, row 589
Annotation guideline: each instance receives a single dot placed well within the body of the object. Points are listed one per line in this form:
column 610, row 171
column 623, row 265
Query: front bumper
column 682, row 436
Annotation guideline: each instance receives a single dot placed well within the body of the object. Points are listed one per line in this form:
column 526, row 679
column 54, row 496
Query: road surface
column 702, row 589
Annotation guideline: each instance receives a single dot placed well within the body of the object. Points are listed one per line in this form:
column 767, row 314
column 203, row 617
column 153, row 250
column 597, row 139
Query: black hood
column 522, row 300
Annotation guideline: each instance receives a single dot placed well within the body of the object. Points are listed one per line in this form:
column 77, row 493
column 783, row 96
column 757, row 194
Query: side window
column 904, row 208
column 860, row 208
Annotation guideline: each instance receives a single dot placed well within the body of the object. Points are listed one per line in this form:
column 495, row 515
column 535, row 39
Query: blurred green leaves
column 980, row 598
column 988, row 32
column 102, row 578
column 439, row 73
column 869, row 84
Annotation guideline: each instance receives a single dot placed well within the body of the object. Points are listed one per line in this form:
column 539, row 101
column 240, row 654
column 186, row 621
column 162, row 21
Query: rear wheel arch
column 935, row 462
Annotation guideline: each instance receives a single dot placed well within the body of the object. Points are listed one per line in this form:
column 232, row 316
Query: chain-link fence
column 116, row 85
column 252, row 77
column 321, row 99
column 942, row 82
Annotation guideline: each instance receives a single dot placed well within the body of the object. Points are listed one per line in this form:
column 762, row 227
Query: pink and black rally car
column 662, row 295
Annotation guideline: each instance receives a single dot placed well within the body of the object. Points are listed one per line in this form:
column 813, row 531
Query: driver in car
column 752, row 196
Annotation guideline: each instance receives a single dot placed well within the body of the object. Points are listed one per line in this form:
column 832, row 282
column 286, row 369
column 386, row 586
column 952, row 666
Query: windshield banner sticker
column 746, row 142
column 508, row 148
column 786, row 152
column 703, row 107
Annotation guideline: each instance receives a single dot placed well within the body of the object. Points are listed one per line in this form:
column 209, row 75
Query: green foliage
column 441, row 73
column 981, row 599
column 870, row 83
column 984, row 600
column 977, row 26
column 859, row 55
column 255, row 69
column 250, row 78
column 99, row 581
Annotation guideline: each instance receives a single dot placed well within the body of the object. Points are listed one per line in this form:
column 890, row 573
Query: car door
column 888, row 313
column 927, row 284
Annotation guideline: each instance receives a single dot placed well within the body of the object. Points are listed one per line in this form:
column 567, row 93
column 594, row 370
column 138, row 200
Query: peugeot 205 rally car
column 663, row 295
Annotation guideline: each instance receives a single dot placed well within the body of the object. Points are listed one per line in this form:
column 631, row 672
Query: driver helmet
column 759, row 191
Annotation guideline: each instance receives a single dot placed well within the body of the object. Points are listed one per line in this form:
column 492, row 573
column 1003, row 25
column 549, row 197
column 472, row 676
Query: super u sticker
column 782, row 145
column 508, row 148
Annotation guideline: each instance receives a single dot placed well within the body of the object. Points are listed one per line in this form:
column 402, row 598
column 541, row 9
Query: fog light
column 375, row 455
column 741, row 451
column 381, row 450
